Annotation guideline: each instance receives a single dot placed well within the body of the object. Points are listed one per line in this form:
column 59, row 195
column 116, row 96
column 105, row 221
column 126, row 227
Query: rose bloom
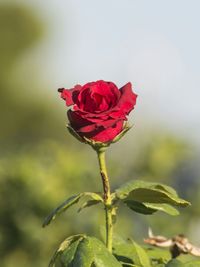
column 99, row 109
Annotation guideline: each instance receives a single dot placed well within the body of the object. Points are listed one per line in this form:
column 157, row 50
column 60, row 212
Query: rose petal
column 76, row 120
column 70, row 95
column 98, row 96
column 108, row 90
column 127, row 100
column 88, row 128
column 117, row 114
column 106, row 135
column 92, row 116
column 81, row 124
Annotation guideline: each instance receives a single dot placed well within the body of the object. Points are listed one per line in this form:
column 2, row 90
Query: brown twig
column 178, row 244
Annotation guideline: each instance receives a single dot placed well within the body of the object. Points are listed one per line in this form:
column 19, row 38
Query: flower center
column 94, row 102
column 97, row 97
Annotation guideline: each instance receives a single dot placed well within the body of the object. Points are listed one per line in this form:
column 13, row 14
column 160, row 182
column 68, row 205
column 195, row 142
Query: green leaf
column 149, row 208
column 158, row 256
column 83, row 251
column 103, row 257
column 117, row 239
column 163, row 207
column 125, row 189
column 142, row 257
column 139, row 207
column 175, row 263
column 96, row 199
column 89, row 203
column 156, row 196
column 147, row 192
column 132, row 254
column 95, row 196
column 158, row 253
column 70, row 244
column 68, row 203
column 61, row 208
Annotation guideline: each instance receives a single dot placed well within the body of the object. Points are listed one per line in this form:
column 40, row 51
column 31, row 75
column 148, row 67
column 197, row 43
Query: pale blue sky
column 155, row 44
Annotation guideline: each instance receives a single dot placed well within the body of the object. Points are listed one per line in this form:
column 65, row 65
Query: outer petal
column 98, row 126
column 106, row 135
column 127, row 100
column 70, row 95
column 83, row 125
column 92, row 117
column 117, row 114
column 78, row 122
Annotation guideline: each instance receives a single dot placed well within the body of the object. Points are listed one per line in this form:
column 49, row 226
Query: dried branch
column 178, row 244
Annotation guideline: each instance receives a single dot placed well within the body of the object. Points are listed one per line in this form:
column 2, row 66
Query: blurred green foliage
column 41, row 165
column 19, row 31
column 26, row 109
column 32, row 184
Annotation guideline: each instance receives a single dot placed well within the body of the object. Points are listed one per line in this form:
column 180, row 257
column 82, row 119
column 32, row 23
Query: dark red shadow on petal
column 105, row 135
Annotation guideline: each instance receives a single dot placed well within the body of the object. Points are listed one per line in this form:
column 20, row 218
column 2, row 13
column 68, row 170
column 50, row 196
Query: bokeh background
column 49, row 44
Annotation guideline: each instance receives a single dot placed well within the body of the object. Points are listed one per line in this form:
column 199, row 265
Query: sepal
column 74, row 133
column 102, row 146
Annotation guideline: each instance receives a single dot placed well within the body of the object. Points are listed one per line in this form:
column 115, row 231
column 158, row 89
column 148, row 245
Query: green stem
column 107, row 199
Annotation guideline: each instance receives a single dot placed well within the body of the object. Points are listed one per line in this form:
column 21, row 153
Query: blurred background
column 49, row 44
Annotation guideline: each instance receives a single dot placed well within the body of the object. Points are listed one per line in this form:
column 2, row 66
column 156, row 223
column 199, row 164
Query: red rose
column 99, row 109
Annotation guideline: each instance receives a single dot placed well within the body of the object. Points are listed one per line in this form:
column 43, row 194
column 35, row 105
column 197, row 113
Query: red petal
column 76, row 120
column 98, row 96
column 127, row 100
column 106, row 135
column 70, row 95
column 81, row 124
